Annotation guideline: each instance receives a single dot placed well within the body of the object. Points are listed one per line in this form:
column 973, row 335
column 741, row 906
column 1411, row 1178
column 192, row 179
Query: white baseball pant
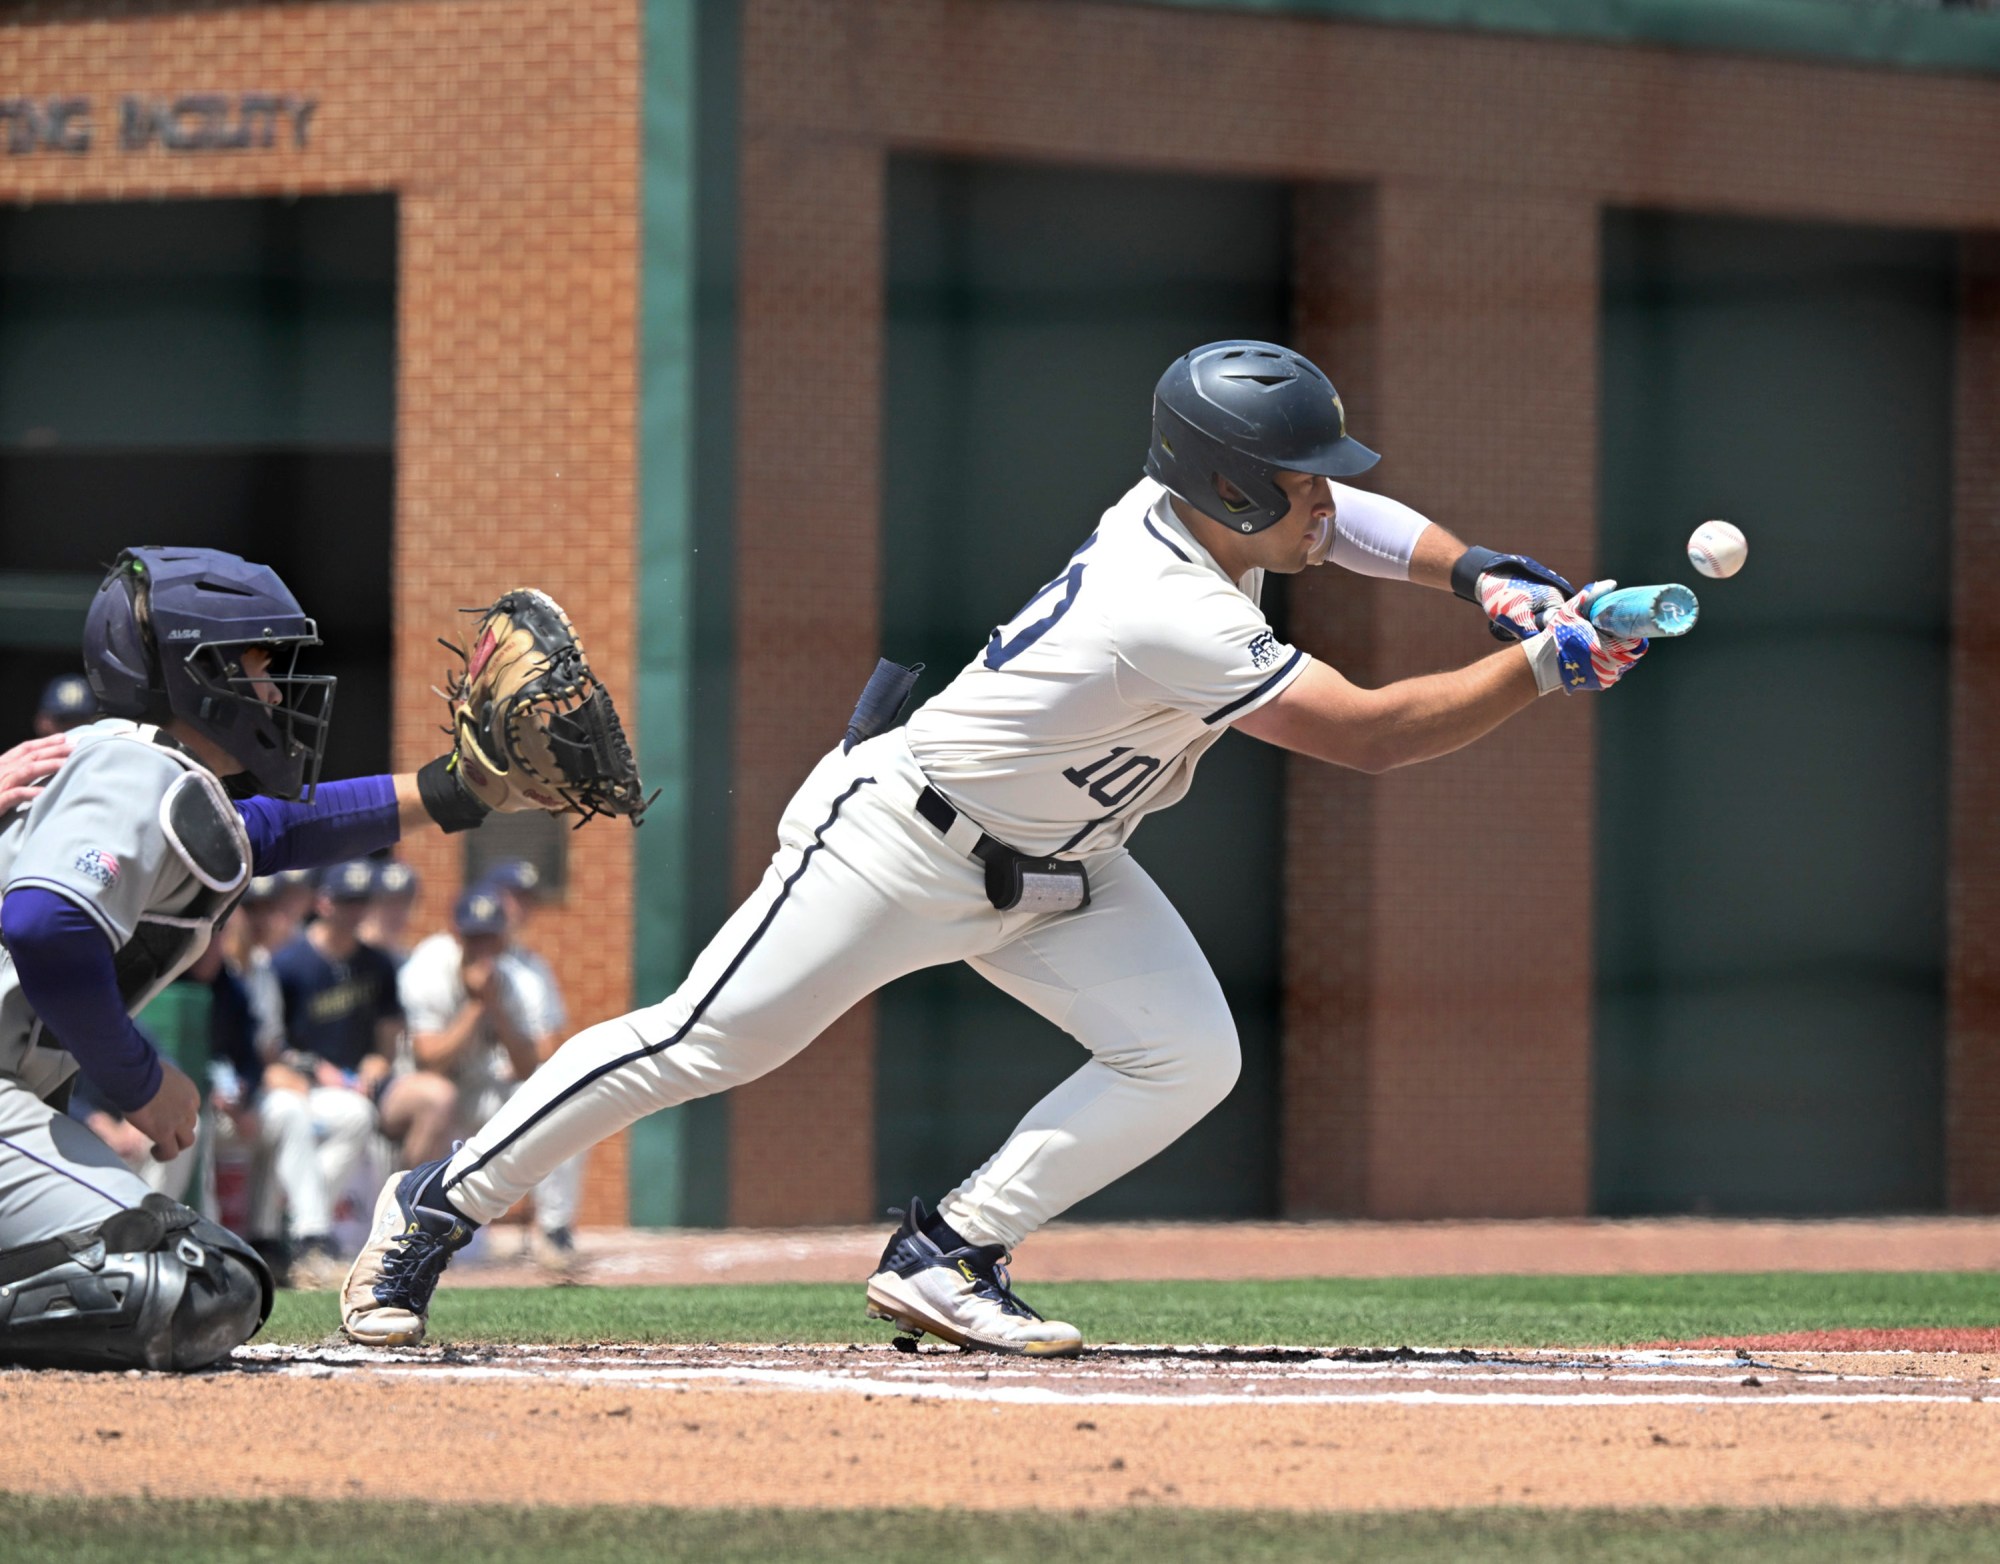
column 862, row 890
column 557, row 1196
column 310, row 1143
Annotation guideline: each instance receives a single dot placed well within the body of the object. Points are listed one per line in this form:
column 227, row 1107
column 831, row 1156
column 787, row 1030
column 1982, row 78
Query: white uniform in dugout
column 1084, row 713
column 968, row 836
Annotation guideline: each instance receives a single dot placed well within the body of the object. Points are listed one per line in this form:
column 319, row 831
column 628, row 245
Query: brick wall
column 802, row 1144
column 509, row 131
column 1437, row 1049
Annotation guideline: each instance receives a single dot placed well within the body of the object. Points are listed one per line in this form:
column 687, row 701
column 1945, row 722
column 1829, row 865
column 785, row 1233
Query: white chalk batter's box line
column 959, row 1387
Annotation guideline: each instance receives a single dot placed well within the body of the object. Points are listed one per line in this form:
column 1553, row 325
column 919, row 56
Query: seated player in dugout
column 116, row 871
column 344, row 1023
column 992, row 829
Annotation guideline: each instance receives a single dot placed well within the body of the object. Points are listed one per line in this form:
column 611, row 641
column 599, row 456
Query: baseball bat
column 1631, row 612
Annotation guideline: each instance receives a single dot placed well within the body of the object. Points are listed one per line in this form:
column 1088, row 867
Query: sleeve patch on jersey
column 1263, row 689
column 1263, row 650
column 203, row 827
column 94, row 863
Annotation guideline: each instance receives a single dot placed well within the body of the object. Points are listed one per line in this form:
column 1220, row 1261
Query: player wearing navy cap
column 386, row 924
column 485, row 1018
column 343, row 1026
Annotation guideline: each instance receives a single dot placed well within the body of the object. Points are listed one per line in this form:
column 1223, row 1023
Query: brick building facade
column 1448, row 187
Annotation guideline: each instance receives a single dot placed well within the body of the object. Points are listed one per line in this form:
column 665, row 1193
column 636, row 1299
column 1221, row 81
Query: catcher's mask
column 165, row 636
column 1247, row 411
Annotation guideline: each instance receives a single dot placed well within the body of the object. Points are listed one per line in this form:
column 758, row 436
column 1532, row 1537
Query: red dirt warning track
column 1246, row 1251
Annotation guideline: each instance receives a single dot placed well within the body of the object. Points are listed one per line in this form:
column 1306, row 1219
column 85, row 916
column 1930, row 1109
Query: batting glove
column 1518, row 593
column 1572, row 654
column 1516, row 606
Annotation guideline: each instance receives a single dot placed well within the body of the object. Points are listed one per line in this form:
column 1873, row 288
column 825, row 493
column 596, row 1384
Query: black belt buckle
column 1014, row 882
column 1012, row 879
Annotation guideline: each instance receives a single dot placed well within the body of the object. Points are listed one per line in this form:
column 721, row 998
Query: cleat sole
column 407, row 1337
column 900, row 1312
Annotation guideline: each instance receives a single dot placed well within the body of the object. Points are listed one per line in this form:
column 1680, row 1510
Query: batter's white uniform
column 1086, row 712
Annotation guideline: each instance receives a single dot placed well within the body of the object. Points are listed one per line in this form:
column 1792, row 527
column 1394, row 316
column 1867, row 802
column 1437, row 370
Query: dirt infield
column 1985, row 1343
column 1847, row 1418
column 846, row 1427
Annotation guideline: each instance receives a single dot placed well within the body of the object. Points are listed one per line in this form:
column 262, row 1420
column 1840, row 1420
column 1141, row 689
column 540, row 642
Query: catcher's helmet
column 165, row 637
column 1246, row 411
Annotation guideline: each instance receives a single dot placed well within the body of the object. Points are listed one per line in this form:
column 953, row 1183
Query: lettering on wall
column 191, row 122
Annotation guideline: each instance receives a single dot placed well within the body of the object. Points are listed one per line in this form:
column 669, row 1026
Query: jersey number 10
column 1113, row 787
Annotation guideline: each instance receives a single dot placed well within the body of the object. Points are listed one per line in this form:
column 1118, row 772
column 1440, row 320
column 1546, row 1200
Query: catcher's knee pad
column 160, row 1287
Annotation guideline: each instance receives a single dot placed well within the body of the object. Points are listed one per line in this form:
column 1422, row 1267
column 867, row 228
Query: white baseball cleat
column 960, row 1295
column 386, row 1299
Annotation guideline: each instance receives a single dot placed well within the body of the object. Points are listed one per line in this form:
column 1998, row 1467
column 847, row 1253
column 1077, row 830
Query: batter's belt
column 1014, row 882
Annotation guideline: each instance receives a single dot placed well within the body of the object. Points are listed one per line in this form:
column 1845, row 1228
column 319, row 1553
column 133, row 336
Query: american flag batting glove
column 1517, row 606
column 1574, row 655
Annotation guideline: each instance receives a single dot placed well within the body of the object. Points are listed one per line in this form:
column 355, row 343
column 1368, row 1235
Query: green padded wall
column 678, row 1172
column 1770, row 903
column 205, row 372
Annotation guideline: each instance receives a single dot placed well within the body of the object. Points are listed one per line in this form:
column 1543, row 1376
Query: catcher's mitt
column 532, row 726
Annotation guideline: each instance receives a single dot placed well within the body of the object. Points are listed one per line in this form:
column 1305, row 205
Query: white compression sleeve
column 1374, row 535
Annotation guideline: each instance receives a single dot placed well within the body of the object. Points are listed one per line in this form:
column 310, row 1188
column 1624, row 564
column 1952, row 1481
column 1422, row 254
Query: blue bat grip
column 1648, row 611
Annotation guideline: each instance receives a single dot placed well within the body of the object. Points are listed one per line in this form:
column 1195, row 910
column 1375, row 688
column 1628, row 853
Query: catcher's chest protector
column 143, row 838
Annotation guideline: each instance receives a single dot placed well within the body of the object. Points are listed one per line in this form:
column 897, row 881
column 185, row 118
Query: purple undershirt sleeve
column 64, row 963
column 347, row 819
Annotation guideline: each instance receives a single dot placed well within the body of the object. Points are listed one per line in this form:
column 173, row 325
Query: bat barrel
column 1631, row 612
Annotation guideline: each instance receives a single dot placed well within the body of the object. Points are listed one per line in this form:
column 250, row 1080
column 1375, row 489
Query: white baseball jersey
column 1090, row 709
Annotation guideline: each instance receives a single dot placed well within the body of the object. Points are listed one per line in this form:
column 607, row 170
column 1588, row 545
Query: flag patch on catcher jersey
column 96, row 864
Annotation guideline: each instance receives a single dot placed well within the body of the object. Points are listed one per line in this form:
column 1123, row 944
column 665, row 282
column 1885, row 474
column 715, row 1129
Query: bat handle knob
column 1649, row 611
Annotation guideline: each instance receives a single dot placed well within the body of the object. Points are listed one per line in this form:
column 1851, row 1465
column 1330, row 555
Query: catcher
column 203, row 772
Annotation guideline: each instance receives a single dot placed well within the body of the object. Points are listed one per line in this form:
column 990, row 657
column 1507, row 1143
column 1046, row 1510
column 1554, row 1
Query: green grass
column 1522, row 1311
column 119, row 1531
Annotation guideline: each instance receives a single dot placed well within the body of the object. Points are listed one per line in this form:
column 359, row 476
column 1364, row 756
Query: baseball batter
column 116, row 872
column 993, row 830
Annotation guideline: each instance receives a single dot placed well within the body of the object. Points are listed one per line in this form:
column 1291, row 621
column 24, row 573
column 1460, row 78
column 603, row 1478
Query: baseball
column 1718, row 549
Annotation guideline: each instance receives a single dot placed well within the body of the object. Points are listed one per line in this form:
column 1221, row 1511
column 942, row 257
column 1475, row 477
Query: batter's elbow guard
column 1475, row 562
column 159, row 1287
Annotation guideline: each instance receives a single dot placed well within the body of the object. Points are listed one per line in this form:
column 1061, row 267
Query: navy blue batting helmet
column 1245, row 412
column 165, row 637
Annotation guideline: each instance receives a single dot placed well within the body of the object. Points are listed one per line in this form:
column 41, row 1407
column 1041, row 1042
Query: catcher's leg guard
column 160, row 1287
